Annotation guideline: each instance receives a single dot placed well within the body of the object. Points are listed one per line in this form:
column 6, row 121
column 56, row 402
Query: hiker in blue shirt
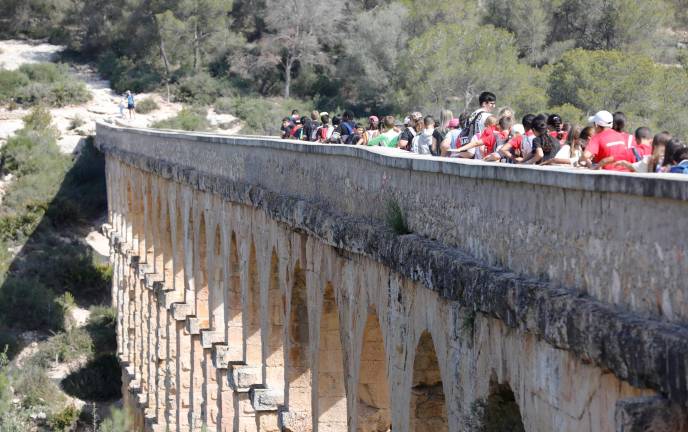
column 131, row 105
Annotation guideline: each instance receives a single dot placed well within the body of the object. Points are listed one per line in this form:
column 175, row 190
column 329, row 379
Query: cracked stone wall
column 242, row 311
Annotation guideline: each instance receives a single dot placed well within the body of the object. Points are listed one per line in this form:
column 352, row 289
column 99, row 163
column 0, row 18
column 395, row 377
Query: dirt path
column 104, row 105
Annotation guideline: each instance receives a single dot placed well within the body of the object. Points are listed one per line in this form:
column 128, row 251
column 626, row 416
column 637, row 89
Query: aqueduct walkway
column 259, row 289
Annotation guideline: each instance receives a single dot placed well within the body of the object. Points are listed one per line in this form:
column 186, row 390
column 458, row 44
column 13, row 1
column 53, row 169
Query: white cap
column 518, row 129
column 603, row 118
column 324, row 113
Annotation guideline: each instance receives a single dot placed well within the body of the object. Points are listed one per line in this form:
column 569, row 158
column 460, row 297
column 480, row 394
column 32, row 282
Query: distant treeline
column 377, row 56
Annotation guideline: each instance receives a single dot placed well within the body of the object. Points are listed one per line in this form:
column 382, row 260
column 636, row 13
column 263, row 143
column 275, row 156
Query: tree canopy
column 383, row 55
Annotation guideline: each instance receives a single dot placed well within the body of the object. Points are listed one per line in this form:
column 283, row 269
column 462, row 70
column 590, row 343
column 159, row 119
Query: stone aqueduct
column 259, row 288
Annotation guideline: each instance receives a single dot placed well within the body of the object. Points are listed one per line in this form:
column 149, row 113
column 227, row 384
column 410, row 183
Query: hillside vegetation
column 46, row 272
column 381, row 56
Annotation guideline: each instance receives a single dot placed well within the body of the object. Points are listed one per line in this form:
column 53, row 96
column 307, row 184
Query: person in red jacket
column 607, row 146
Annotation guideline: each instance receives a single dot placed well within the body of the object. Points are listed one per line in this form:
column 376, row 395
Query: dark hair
column 681, row 155
column 347, row 115
column 619, row 121
column 554, row 121
column 429, row 121
column 587, row 132
column 294, row 112
column 527, row 121
column 486, row 97
column 336, row 121
column 325, row 119
column 661, row 139
column 540, row 117
column 286, row 119
column 672, row 149
column 547, row 141
column 539, row 126
column 642, row 133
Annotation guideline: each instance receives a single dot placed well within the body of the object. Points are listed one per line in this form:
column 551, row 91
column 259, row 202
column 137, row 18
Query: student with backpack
column 324, row 132
column 476, row 121
column 415, row 124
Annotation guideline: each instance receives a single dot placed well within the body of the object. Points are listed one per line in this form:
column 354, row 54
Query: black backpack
column 470, row 128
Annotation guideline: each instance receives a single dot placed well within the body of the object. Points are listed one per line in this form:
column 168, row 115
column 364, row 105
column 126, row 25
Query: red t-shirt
column 564, row 136
column 295, row 131
column 516, row 142
column 489, row 138
column 610, row 143
column 644, row 149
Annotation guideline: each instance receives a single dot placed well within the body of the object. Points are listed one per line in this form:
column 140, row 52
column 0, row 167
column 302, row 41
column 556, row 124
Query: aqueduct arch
column 253, row 300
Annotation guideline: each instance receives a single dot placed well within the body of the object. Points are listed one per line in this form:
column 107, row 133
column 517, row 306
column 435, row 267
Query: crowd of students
column 495, row 136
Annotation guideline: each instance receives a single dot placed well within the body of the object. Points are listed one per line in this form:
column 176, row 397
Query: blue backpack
column 681, row 168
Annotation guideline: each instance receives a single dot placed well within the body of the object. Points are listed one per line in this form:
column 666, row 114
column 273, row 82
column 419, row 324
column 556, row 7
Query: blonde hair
column 491, row 121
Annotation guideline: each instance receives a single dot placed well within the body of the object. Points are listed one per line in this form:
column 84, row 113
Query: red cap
column 454, row 123
column 373, row 119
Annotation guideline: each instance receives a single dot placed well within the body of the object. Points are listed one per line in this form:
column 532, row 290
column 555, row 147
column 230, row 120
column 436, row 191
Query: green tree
column 298, row 30
column 609, row 24
column 612, row 80
column 461, row 62
column 371, row 54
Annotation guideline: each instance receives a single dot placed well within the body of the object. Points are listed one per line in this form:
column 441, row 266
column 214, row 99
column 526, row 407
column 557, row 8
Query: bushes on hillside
column 146, row 105
column 264, row 116
column 44, row 83
column 188, row 119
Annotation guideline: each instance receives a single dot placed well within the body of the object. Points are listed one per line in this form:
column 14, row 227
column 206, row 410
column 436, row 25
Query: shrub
column 76, row 122
column 42, row 83
column 10, row 81
column 187, row 119
column 64, row 420
column 100, row 380
column 225, row 105
column 102, row 328
column 395, row 218
column 125, row 74
column 45, row 72
column 264, row 116
column 146, row 105
column 35, row 387
column 64, row 347
column 118, row 421
column 199, row 89
column 29, row 304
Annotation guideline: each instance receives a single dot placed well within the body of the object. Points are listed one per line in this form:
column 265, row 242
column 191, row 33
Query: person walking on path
column 131, row 104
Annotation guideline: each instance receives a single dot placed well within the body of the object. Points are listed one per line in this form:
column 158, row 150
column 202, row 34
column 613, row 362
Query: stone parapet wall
column 244, row 306
column 613, row 236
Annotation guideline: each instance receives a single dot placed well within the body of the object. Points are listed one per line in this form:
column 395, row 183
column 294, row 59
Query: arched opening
column 234, row 303
column 149, row 252
column 179, row 285
column 274, row 359
column 298, row 365
column 130, row 212
column 499, row 412
column 332, row 409
column 428, row 408
column 159, row 215
column 253, row 342
column 201, row 280
column 373, row 389
column 217, row 294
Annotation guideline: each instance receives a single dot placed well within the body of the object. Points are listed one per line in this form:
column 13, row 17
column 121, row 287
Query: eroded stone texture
column 297, row 314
